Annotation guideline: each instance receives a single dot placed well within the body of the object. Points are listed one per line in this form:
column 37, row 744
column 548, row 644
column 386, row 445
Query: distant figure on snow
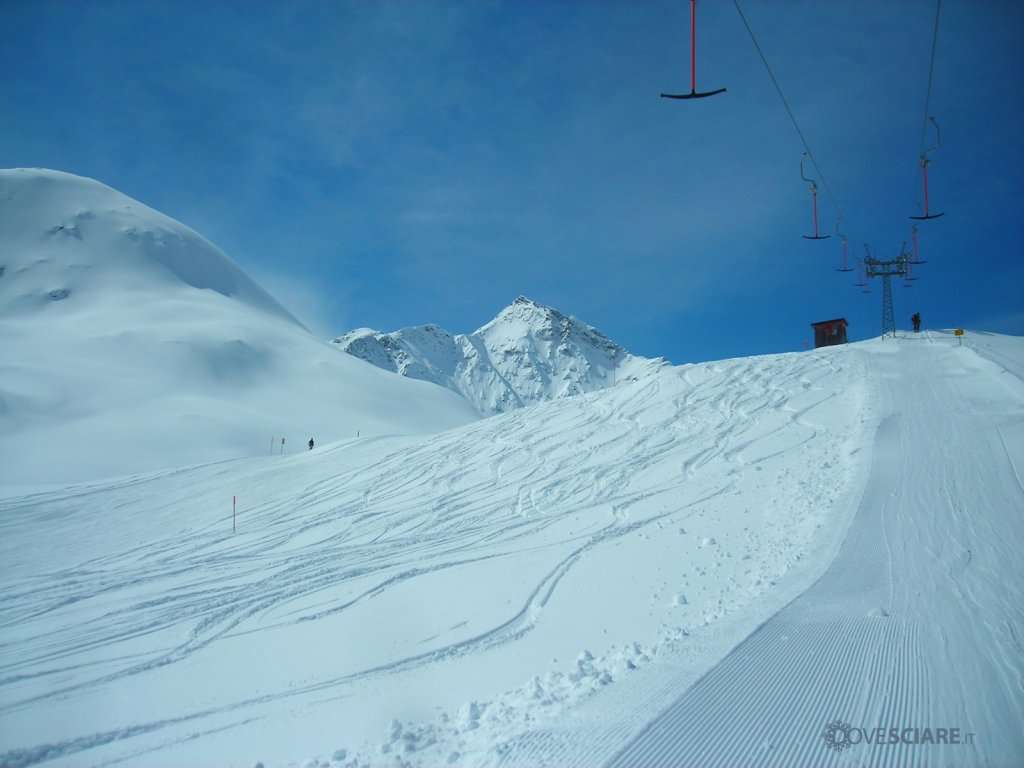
column 311, row 443
column 916, row 320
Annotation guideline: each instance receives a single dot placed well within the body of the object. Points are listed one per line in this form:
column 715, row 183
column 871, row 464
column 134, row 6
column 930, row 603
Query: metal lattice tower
column 888, row 313
column 886, row 270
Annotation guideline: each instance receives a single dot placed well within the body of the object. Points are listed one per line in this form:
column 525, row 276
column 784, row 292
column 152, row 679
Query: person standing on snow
column 311, row 443
column 916, row 320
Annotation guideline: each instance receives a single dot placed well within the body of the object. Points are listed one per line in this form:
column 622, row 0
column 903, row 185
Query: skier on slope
column 311, row 443
column 916, row 320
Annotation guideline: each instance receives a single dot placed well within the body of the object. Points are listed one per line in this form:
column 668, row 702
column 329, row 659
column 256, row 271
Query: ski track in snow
column 743, row 471
column 905, row 629
column 161, row 581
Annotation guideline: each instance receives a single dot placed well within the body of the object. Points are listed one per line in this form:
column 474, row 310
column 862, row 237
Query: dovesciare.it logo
column 837, row 735
column 840, row 735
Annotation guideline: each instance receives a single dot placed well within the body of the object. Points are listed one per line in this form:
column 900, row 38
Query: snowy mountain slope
column 708, row 565
column 527, row 354
column 915, row 629
column 435, row 599
column 129, row 343
column 69, row 242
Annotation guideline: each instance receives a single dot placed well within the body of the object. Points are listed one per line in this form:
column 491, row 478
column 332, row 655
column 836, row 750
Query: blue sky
column 388, row 164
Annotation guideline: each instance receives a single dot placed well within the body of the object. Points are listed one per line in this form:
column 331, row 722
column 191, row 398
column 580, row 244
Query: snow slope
column 529, row 353
column 919, row 622
column 129, row 343
column 472, row 586
column 706, row 566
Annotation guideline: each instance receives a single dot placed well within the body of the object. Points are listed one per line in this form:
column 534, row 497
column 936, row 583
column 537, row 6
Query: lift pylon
column 886, row 270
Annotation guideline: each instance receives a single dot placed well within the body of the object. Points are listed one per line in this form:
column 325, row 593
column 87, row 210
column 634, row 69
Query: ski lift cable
column 931, row 72
column 922, row 152
column 789, row 111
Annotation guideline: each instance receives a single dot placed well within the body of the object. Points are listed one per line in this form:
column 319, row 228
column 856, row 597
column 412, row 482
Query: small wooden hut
column 828, row 333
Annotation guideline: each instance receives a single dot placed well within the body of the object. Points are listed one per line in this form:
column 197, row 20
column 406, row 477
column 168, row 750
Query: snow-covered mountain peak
column 524, row 320
column 528, row 311
column 528, row 353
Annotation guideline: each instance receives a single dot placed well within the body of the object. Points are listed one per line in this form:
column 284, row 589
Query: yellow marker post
column 959, row 333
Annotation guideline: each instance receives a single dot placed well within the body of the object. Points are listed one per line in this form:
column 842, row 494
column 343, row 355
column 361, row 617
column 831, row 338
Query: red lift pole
column 693, row 63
